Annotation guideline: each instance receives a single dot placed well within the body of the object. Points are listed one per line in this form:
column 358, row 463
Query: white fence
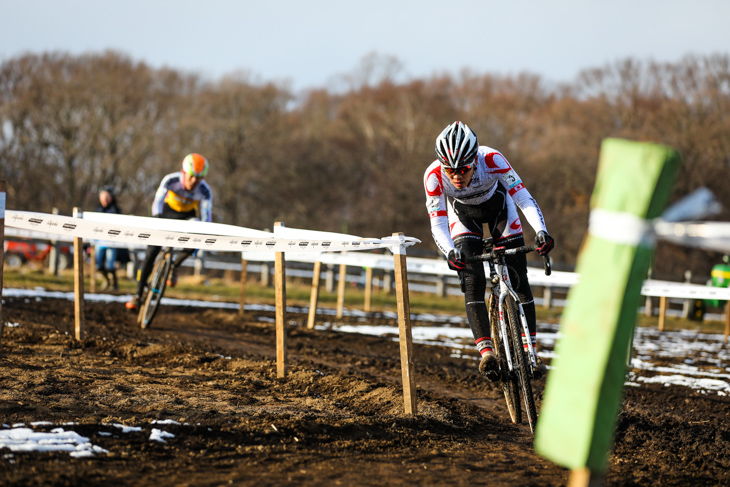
column 435, row 273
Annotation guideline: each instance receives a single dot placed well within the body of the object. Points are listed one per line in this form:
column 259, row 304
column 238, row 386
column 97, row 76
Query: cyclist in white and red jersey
column 182, row 195
column 467, row 187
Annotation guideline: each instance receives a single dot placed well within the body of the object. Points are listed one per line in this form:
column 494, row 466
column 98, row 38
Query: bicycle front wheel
column 155, row 290
column 510, row 386
column 522, row 364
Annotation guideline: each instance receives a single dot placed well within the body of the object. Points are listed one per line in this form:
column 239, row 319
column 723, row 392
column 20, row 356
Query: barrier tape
column 620, row 228
column 97, row 230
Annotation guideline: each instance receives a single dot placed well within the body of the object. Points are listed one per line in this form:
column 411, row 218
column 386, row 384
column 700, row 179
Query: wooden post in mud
column 341, row 290
column 2, row 250
column 584, row 477
column 244, row 276
column 662, row 312
column 92, row 269
column 55, row 251
column 368, row 288
column 78, row 281
column 547, row 297
column 280, row 293
column 404, row 328
column 314, row 295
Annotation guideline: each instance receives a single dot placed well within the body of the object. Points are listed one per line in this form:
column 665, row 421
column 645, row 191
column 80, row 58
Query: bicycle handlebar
column 498, row 252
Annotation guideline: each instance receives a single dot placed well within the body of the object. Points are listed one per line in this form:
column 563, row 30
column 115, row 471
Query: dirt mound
column 195, row 401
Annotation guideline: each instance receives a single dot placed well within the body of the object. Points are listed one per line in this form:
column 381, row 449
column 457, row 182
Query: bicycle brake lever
column 546, row 264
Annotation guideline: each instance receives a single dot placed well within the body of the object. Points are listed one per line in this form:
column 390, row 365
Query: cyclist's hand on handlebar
column 545, row 242
column 456, row 260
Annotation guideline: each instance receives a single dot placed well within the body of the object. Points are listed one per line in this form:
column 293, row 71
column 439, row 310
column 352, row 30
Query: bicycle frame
column 517, row 369
column 498, row 272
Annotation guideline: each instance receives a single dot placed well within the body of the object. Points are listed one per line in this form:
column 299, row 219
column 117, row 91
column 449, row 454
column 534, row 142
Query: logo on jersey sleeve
column 433, row 205
column 434, row 183
column 513, row 181
column 496, row 163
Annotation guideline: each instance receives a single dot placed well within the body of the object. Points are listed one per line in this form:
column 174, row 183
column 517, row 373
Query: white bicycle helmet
column 456, row 146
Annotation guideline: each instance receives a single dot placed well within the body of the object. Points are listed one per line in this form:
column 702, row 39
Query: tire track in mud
column 489, row 398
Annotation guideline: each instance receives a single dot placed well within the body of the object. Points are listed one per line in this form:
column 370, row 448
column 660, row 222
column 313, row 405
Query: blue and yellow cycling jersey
column 172, row 194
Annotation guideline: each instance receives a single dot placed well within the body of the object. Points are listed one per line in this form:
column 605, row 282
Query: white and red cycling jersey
column 172, row 194
column 492, row 170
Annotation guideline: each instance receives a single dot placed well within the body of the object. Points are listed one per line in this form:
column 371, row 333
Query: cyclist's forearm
column 531, row 210
column 441, row 234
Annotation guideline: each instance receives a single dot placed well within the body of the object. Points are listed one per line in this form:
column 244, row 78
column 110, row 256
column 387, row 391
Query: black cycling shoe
column 489, row 367
column 540, row 370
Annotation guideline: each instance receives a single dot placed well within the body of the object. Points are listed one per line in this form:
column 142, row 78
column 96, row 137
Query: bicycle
column 155, row 287
column 510, row 335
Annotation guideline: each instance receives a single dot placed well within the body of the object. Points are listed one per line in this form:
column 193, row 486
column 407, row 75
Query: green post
column 584, row 387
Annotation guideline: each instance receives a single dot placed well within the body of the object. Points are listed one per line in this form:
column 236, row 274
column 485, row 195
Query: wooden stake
column 2, row 251
column 648, row 307
column 280, row 292
column 368, row 288
column 341, row 291
column 244, row 276
column 79, row 281
column 583, row 477
column 547, row 297
column 314, row 295
column 662, row 312
column 55, row 251
column 92, row 270
column 404, row 329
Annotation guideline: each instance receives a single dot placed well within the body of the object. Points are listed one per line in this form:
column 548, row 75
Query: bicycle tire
column 155, row 290
column 522, row 363
column 509, row 383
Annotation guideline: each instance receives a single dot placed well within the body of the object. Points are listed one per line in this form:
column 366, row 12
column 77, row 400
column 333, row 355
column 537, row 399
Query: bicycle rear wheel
column 522, row 363
column 155, row 290
column 510, row 386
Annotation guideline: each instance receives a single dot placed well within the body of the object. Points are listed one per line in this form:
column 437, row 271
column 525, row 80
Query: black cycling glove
column 456, row 261
column 545, row 242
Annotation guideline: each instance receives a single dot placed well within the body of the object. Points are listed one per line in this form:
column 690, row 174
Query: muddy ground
column 208, row 377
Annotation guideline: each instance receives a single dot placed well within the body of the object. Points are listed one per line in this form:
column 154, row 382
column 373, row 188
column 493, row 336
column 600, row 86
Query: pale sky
column 307, row 43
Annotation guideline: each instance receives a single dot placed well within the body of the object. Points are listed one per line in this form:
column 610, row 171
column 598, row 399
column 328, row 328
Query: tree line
column 351, row 159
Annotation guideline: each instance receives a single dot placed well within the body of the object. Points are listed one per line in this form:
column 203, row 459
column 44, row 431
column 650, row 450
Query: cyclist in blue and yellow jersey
column 182, row 195
column 468, row 187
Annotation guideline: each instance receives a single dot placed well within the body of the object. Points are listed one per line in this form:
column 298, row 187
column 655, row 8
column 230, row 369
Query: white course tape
column 97, row 230
column 184, row 226
column 620, row 228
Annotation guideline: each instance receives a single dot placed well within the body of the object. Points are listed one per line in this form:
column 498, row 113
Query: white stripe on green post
column 584, row 387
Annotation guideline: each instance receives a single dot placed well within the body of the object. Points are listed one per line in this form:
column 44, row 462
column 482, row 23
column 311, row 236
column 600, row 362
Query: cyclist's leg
column 181, row 256
column 467, row 234
column 149, row 262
